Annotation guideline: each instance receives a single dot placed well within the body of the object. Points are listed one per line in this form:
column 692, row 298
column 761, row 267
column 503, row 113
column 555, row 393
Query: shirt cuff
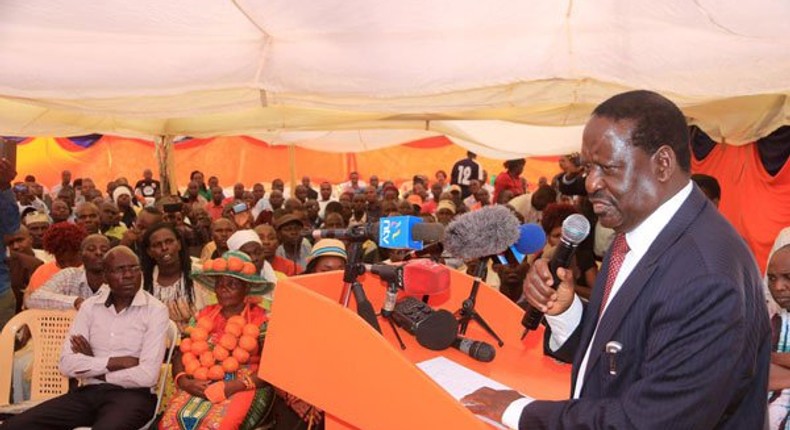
column 564, row 324
column 512, row 414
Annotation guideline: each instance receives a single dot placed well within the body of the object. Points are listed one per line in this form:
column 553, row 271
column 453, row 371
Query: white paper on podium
column 459, row 380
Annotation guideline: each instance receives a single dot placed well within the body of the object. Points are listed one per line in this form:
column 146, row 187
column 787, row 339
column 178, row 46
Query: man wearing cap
column 248, row 242
column 293, row 246
column 37, row 224
column 445, row 211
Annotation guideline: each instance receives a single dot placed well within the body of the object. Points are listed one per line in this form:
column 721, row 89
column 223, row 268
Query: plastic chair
column 172, row 339
column 48, row 330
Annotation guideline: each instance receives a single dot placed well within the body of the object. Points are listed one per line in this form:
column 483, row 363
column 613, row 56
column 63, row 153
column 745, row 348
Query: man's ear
column 664, row 163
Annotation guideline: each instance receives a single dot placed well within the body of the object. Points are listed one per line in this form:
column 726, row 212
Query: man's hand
column 78, row 302
column 194, row 387
column 539, row 292
column 489, row 402
column 120, row 363
column 7, row 174
column 80, row 345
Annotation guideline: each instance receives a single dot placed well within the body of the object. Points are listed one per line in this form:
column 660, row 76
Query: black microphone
column 479, row 350
column 575, row 229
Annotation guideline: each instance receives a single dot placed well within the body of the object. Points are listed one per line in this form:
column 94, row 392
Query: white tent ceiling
column 503, row 77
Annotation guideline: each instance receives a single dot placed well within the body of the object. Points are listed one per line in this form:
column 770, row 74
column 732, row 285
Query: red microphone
column 419, row 277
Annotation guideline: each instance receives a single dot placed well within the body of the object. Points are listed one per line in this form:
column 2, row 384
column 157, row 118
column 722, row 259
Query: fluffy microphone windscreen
column 481, row 233
column 424, row 277
column 531, row 239
column 438, row 331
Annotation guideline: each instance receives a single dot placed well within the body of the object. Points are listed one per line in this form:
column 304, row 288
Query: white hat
column 241, row 238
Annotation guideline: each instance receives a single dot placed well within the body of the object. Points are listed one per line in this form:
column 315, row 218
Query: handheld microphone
column 575, row 229
column 482, row 233
column 421, row 277
column 531, row 239
column 479, row 350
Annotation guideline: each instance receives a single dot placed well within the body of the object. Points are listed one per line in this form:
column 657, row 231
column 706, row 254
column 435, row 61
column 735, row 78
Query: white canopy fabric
column 503, row 77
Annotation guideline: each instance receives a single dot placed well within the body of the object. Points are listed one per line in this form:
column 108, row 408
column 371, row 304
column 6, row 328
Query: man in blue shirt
column 9, row 223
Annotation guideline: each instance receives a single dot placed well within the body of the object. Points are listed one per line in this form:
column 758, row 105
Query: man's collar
column 138, row 300
column 640, row 238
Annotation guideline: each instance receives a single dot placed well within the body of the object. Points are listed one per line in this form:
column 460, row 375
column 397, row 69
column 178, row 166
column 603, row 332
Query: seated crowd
column 129, row 259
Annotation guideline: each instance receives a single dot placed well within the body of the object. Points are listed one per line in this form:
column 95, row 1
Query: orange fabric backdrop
column 247, row 160
column 757, row 204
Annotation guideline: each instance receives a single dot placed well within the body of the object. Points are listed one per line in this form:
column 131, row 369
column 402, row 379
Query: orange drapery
column 757, row 204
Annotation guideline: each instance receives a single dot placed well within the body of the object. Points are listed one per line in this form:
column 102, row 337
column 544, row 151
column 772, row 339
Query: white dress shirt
column 564, row 324
column 137, row 331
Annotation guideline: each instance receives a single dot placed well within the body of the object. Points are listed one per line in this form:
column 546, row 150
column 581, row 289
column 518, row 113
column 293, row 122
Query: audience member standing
column 464, row 171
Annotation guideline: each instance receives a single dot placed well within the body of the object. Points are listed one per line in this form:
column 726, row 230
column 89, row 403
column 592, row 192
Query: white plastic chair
column 48, row 330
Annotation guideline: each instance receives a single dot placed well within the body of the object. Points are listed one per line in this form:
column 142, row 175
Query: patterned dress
column 243, row 410
column 779, row 401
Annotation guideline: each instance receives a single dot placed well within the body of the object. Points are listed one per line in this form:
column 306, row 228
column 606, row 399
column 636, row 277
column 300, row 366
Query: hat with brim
column 455, row 188
column 285, row 220
column 235, row 264
column 326, row 248
column 446, row 205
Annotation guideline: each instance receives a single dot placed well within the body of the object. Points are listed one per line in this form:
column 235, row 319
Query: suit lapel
column 623, row 301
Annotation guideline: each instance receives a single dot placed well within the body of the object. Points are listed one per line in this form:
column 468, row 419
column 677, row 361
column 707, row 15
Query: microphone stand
column 468, row 312
column 354, row 268
column 389, row 306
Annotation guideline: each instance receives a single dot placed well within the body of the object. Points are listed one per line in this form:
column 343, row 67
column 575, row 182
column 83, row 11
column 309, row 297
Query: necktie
column 619, row 249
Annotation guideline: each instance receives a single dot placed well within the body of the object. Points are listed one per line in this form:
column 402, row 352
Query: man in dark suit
column 676, row 334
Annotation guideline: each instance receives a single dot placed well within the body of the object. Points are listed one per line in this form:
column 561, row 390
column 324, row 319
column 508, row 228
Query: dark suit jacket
column 695, row 337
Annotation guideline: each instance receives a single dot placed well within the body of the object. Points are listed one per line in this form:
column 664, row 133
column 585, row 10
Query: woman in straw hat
column 216, row 365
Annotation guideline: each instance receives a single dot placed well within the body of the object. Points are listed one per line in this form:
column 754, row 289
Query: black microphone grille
column 428, row 231
column 575, row 229
column 482, row 351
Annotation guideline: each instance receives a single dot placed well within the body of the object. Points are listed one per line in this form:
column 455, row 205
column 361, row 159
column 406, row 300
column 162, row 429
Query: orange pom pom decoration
column 228, row 341
column 198, row 333
column 216, row 372
column 219, row 265
column 237, row 319
column 251, row 330
column 235, row 264
column 186, row 345
column 199, row 346
column 241, row 355
column 248, row 269
column 233, row 329
column 191, row 367
column 201, row 373
column 208, row 265
column 206, row 359
column 206, row 324
column 230, row 365
column 220, row 353
column 248, row 343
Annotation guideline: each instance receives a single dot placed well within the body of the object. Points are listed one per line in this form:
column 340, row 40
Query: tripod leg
column 397, row 335
column 487, row 328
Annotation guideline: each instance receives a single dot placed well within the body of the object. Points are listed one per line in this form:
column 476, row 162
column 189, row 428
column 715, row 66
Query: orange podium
column 326, row 354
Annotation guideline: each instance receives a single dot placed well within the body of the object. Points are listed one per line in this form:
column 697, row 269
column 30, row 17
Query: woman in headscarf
column 216, row 367
column 123, row 196
column 777, row 283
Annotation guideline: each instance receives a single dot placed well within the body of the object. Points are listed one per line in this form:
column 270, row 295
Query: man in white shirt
column 115, row 346
column 676, row 332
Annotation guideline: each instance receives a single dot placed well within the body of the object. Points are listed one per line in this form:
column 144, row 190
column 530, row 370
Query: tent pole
column 292, row 166
column 166, row 160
